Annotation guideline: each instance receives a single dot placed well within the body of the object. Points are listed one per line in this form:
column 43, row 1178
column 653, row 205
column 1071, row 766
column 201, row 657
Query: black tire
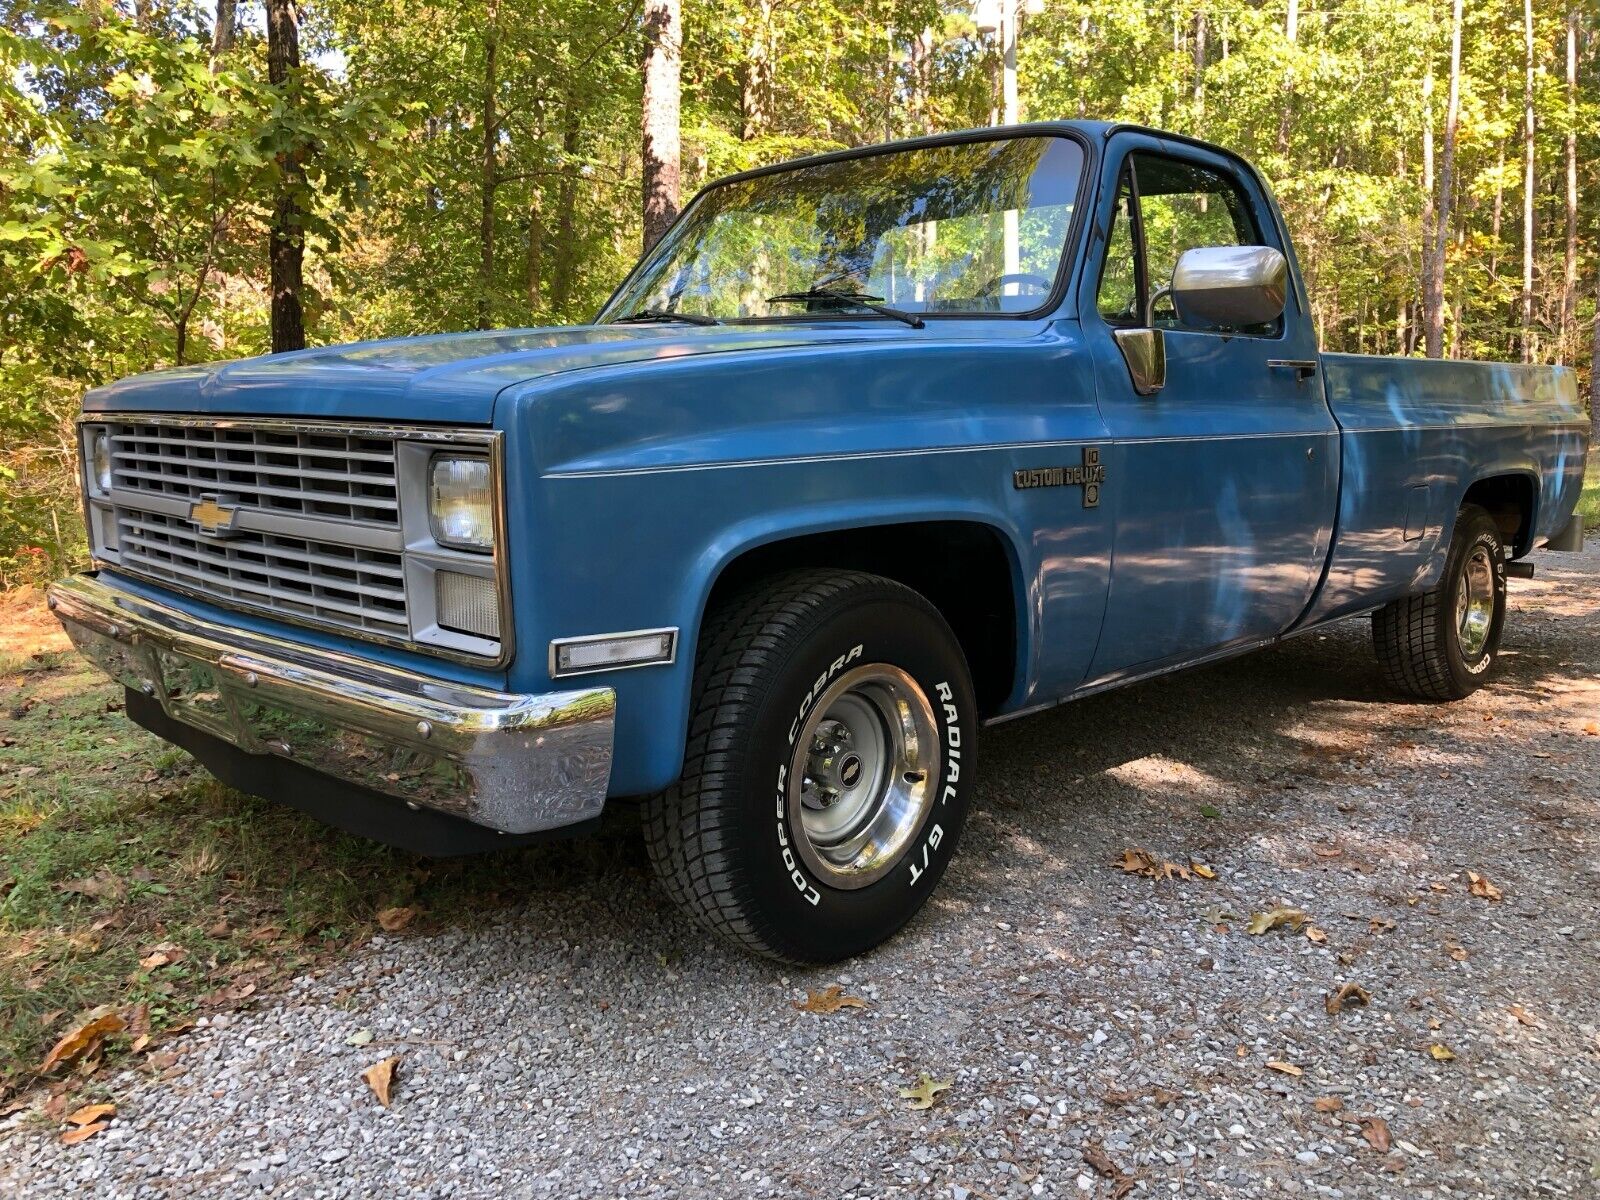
column 1418, row 639
column 724, row 840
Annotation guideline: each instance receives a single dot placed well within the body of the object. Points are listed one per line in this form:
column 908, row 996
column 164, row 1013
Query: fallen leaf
column 1314, row 933
column 102, row 885
column 1350, row 993
column 1138, row 861
column 829, row 1000
column 1209, row 811
column 1459, row 953
column 1441, row 1053
column 1435, row 1024
column 393, row 920
column 1379, row 924
column 1524, row 1017
column 1096, row 1156
column 1286, row 1068
column 1202, row 870
column 1376, row 1131
column 361, row 1037
column 1482, row 888
column 926, row 1090
column 80, row 1041
column 380, row 1078
column 1328, row 852
column 1592, row 728
column 163, row 955
column 1329, row 1104
column 90, row 1113
column 82, row 1134
column 1266, row 922
column 162, row 1060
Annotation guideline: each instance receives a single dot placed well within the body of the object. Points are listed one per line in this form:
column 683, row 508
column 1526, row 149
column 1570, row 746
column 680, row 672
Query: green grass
column 1589, row 502
column 113, row 843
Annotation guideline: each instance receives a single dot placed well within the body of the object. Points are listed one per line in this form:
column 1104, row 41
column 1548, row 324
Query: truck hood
column 452, row 378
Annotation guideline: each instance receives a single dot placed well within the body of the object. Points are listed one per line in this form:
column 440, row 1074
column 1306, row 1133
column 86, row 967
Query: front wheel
column 828, row 767
column 1442, row 644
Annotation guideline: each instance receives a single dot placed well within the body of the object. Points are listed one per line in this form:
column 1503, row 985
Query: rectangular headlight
column 461, row 502
column 576, row 656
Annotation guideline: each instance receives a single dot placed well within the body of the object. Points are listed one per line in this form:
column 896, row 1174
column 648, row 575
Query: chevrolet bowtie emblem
column 210, row 516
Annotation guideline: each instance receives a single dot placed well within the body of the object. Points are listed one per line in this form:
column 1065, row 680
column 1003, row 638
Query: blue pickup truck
column 871, row 450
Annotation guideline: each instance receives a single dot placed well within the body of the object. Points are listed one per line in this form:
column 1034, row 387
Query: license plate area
column 191, row 692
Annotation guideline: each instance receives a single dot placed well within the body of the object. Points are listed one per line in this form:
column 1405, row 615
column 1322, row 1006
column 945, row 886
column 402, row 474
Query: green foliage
column 476, row 162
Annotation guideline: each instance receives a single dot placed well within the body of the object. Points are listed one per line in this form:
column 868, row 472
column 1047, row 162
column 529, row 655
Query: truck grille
column 299, row 472
column 312, row 519
column 348, row 586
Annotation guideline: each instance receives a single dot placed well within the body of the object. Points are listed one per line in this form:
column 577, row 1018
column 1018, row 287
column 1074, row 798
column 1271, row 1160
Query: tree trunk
column 535, row 266
column 491, row 131
column 1569, row 274
column 1291, row 33
column 1430, row 200
column 222, row 33
column 1527, row 183
column 566, row 203
column 659, row 125
column 755, row 77
column 1433, row 302
column 287, row 248
column 1198, row 55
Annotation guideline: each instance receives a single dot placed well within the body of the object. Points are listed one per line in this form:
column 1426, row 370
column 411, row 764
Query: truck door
column 1225, row 478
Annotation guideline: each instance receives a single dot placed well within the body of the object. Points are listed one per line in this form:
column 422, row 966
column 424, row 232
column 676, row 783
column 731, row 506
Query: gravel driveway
column 1104, row 1033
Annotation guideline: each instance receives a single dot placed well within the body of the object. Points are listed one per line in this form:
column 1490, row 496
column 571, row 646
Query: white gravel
column 592, row 1044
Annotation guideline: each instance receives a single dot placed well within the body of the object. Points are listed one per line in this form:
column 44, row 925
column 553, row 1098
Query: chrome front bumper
column 514, row 763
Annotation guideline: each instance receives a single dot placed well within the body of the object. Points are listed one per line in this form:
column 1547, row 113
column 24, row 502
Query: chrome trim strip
column 557, row 643
column 491, row 441
column 514, row 762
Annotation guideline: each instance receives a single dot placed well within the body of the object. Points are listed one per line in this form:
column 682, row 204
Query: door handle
column 1303, row 368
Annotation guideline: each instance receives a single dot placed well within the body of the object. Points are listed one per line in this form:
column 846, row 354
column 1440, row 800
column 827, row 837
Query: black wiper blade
column 848, row 299
column 661, row 314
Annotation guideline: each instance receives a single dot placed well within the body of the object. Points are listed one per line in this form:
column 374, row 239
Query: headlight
column 100, row 460
column 461, row 502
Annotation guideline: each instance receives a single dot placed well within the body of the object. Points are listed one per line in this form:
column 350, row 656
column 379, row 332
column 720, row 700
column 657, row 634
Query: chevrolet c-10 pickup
column 870, row 450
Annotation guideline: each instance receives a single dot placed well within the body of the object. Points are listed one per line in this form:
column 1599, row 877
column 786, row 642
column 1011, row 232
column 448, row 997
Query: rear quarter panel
column 1415, row 435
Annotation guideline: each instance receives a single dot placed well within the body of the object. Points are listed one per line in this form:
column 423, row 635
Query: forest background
column 184, row 182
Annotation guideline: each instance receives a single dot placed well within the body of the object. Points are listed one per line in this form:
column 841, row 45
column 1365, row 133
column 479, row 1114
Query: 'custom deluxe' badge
column 1089, row 476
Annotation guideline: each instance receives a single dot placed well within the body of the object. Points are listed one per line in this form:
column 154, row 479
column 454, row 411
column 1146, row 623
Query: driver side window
column 1166, row 206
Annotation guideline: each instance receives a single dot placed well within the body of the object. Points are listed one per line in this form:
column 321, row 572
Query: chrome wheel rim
column 863, row 775
column 1475, row 604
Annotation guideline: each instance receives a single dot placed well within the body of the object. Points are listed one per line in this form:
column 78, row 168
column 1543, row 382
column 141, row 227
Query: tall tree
column 1433, row 294
column 490, row 169
column 663, row 30
column 1525, row 303
column 1569, row 274
column 286, row 250
column 224, row 30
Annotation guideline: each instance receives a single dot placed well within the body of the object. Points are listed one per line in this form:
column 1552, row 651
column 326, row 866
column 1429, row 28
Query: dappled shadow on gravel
column 572, row 1036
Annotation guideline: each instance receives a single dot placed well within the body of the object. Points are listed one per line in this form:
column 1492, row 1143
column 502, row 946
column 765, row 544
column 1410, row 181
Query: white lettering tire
column 828, row 767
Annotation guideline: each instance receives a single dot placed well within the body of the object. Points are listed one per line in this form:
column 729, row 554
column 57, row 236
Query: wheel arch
column 966, row 564
column 1511, row 496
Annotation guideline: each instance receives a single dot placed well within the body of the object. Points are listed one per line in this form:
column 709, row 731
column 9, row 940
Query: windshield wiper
column 848, row 300
column 661, row 314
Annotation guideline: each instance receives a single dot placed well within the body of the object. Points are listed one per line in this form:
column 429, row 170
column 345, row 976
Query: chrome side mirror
column 1230, row 287
column 1145, row 352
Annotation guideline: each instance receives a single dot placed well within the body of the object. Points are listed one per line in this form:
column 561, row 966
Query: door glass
column 1118, row 299
column 1184, row 205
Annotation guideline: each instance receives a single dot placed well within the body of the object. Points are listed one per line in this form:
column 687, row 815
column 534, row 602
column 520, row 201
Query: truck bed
column 1413, row 433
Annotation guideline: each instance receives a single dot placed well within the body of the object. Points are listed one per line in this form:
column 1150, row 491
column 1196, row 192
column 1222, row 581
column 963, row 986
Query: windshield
column 972, row 228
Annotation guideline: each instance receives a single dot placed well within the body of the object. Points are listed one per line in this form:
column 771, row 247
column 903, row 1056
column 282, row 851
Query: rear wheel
column 1441, row 645
column 826, row 778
